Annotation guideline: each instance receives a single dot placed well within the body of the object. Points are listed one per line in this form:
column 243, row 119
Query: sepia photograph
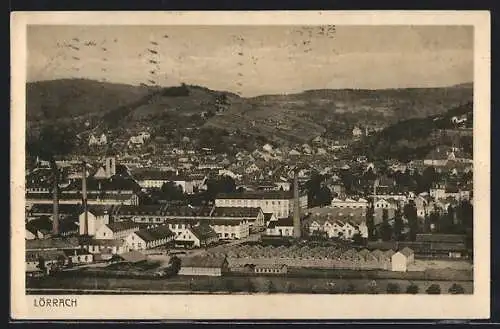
column 250, row 159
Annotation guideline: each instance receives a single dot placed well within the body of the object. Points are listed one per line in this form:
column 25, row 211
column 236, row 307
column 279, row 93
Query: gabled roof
column 34, row 256
column 122, row 226
column 203, row 232
column 203, row 261
column 275, row 266
column 58, row 243
column 378, row 254
column 389, row 253
column 140, row 210
column 153, row 234
column 39, row 224
column 76, row 252
column 406, row 251
column 364, row 252
column 101, row 242
column 153, row 175
column 243, row 212
column 44, row 208
column 260, row 195
column 268, row 216
column 224, row 221
column 287, row 221
column 98, row 210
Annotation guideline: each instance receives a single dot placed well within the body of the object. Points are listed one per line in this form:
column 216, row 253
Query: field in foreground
column 190, row 284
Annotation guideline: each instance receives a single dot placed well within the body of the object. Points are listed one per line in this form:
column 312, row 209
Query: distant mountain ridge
column 291, row 117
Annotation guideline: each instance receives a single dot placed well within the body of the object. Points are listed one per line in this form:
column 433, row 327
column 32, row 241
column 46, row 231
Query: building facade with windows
column 281, row 203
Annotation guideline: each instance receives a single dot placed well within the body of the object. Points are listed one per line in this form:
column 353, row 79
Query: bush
column 230, row 286
column 350, row 289
column 434, row 289
column 412, row 289
column 250, row 286
column 393, row 288
column 290, row 287
column 271, row 288
column 456, row 289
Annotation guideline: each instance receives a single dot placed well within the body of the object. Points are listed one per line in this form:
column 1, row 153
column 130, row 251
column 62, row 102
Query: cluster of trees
column 318, row 194
column 405, row 225
column 269, row 286
column 358, row 180
column 168, row 192
column 219, row 184
column 456, row 220
column 409, row 139
column 51, row 141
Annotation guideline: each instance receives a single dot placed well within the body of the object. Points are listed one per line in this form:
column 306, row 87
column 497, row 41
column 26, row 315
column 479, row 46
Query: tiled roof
column 76, row 252
column 243, row 212
column 34, row 256
column 268, row 216
column 224, row 221
column 114, row 183
column 43, row 208
column 153, row 175
column 38, row 244
column 122, row 226
column 203, row 261
column 102, row 242
column 41, row 223
column 140, row 210
column 287, row 221
column 154, row 234
column 98, row 210
column 406, row 251
column 260, row 195
column 203, row 232
column 276, row 266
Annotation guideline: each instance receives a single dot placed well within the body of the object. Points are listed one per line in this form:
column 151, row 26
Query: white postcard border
column 259, row 306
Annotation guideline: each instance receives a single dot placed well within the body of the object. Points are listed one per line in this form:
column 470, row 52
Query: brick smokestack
column 84, row 198
column 296, row 204
column 55, row 206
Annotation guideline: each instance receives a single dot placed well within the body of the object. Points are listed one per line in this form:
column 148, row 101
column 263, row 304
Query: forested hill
column 414, row 138
column 99, row 107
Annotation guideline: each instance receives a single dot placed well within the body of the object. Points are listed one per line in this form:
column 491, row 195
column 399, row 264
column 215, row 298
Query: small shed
column 401, row 259
column 203, row 266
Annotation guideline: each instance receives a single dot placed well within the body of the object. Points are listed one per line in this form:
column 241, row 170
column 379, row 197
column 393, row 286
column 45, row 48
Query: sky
column 255, row 60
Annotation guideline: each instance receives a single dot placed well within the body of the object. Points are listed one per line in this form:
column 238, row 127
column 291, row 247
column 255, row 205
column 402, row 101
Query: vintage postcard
column 250, row 165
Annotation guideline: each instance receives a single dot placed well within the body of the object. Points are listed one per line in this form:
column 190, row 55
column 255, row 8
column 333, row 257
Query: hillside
column 414, row 138
column 66, row 98
column 282, row 118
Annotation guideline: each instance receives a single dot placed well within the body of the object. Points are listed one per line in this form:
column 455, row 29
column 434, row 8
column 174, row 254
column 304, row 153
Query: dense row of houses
column 242, row 257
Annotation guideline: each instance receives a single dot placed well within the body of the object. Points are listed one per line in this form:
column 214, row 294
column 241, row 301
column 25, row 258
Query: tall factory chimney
column 296, row 204
column 55, row 207
column 84, row 199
